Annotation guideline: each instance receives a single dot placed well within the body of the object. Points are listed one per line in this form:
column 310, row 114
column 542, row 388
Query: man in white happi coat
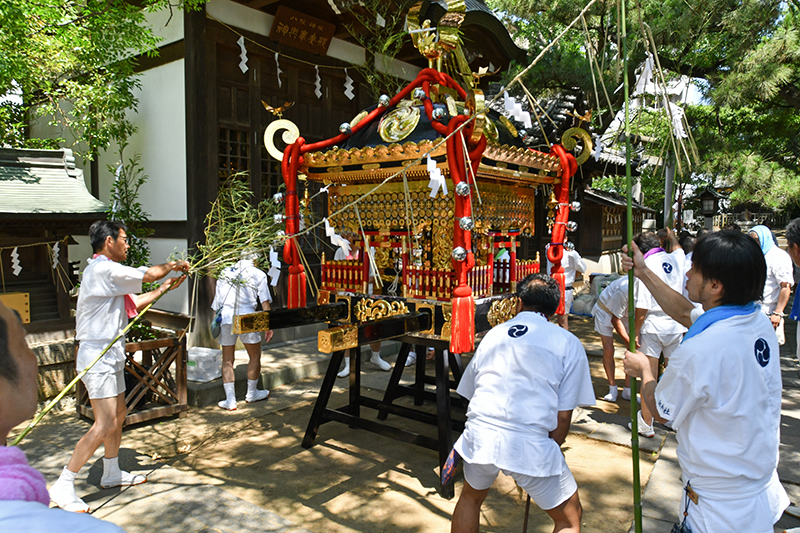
column 105, row 303
column 722, row 388
column 522, row 384
column 611, row 314
column 239, row 290
column 793, row 249
column 572, row 263
column 780, row 278
column 656, row 330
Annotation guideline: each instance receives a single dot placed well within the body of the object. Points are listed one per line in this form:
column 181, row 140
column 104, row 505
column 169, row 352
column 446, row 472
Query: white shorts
column 652, row 344
column 547, row 492
column 226, row 338
column 101, row 385
column 602, row 322
column 568, row 298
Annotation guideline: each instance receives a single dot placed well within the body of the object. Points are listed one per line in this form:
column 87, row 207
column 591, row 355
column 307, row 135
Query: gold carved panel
column 502, row 311
column 367, row 310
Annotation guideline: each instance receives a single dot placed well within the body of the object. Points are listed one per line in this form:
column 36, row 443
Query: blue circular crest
column 762, row 352
column 667, row 267
column 517, row 330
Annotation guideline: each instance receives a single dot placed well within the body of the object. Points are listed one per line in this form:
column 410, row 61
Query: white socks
column 412, row 358
column 346, row 370
column 380, row 363
column 114, row 477
column 63, row 494
column 229, row 402
column 612, row 394
column 626, row 393
column 253, row 394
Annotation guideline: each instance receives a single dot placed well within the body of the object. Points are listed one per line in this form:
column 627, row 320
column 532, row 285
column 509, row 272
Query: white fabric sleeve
column 676, row 395
column 580, row 264
column 263, row 290
column 784, row 269
column 641, row 295
column 466, row 387
column 123, row 279
column 576, row 386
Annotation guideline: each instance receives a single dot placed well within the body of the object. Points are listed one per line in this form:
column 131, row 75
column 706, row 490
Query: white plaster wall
column 166, row 24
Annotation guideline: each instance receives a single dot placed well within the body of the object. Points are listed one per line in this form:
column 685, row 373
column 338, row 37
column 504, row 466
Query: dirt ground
column 355, row 481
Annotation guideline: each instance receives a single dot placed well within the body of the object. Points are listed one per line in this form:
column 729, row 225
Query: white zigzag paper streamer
column 15, row 262
column 278, row 70
column 336, row 240
column 514, row 109
column 275, row 267
column 56, row 249
column 437, row 179
column 317, row 83
column 243, row 56
column 348, row 86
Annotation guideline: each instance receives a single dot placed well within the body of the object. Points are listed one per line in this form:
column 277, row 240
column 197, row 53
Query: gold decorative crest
column 399, row 123
column 367, row 309
column 250, row 323
column 502, row 311
column 337, row 339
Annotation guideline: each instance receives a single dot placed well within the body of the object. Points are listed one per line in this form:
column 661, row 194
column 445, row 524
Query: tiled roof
column 43, row 182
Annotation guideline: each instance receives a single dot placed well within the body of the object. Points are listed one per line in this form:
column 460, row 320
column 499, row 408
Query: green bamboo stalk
column 637, row 489
column 83, row 372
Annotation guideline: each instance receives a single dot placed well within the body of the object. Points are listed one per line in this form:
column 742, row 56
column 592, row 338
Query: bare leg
column 227, row 364
column 563, row 321
column 467, row 514
column 254, row 365
column 107, row 429
column 608, row 359
column 567, row 516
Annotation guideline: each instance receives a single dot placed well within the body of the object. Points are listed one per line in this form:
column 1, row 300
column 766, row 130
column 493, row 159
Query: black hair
column 539, row 293
column 702, row 232
column 793, row 232
column 735, row 260
column 8, row 365
column 101, row 230
column 646, row 241
column 687, row 243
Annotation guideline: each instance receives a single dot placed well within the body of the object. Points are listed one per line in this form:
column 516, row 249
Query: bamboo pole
column 83, row 372
column 637, row 492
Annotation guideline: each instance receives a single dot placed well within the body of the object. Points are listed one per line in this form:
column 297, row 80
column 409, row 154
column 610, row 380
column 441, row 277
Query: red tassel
column 296, row 287
column 462, row 323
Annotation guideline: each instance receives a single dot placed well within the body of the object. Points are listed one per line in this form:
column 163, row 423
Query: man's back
column 670, row 271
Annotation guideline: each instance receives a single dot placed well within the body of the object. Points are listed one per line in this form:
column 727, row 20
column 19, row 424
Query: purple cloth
column 18, row 481
column 653, row 251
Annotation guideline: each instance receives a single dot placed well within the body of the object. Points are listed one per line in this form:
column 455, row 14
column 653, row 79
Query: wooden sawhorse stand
column 350, row 414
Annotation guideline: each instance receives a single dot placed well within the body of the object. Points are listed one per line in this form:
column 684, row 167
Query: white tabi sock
column 111, row 467
column 252, row 386
column 346, row 370
column 230, row 391
column 380, row 363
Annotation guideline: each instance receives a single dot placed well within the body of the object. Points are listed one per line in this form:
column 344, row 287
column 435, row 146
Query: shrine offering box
column 204, row 364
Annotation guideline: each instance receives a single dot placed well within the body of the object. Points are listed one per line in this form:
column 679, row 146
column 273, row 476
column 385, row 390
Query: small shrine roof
column 612, row 199
column 37, row 184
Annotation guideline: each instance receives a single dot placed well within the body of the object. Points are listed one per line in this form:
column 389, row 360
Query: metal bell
column 466, row 223
column 279, row 218
column 575, row 206
column 569, row 246
column 572, row 225
column 277, row 198
column 462, row 188
column 345, row 128
column 438, row 113
column 384, row 100
column 419, row 93
column 459, row 253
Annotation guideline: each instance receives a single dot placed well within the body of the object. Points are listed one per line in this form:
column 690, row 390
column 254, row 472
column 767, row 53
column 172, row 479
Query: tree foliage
column 745, row 55
column 73, row 63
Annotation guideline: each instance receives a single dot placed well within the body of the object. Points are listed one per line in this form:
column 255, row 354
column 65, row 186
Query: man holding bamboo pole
column 105, row 303
column 722, row 388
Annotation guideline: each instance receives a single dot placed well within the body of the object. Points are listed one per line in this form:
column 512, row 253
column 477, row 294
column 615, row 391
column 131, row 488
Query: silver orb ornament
column 384, row 100
column 277, row 198
column 438, row 113
column 419, row 93
column 569, row 246
column 462, row 188
column 280, row 235
column 345, row 128
column 279, row 218
column 575, row 206
column 466, row 223
column 572, row 225
column 459, row 253
column 523, row 134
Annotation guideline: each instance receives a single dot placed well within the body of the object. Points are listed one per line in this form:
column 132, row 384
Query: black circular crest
column 667, row 267
column 762, row 352
column 517, row 330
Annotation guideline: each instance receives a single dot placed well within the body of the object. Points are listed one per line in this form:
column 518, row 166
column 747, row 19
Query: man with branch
column 722, row 388
column 105, row 303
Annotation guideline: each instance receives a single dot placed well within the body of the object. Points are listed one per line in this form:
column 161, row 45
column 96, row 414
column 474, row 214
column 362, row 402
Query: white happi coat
column 669, row 269
column 722, row 392
column 100, row 312
column 779, row 270
column 524, row 372
column 237, row 288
